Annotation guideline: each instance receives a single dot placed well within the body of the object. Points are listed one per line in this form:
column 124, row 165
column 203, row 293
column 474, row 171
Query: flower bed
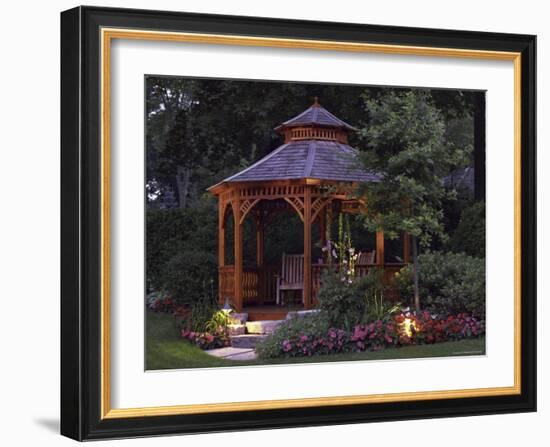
column 206, row 340
column 403, row 329
column 205, row 329
column 160, row 302
column 215, row 335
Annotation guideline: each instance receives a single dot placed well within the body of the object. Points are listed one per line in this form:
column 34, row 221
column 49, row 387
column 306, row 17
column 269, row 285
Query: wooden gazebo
column 312, row 174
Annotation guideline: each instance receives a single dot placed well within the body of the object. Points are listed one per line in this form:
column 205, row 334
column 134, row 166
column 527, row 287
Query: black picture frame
column 81, row 224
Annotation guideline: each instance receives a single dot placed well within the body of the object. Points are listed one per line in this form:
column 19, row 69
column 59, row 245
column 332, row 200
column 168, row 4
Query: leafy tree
column 469, row 236
column 404, row 139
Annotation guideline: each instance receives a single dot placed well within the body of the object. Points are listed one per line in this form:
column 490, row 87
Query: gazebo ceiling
column 315, row 148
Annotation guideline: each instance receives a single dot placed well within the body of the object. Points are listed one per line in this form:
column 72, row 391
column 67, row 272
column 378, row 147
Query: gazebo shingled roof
column 315, row 148
column 316, row 159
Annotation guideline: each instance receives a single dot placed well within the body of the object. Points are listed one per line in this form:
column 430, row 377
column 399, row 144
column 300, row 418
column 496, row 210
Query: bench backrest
column 292, row 269
column 366, row 258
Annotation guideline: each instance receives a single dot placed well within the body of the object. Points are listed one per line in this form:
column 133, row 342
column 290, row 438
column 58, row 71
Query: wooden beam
column 221, row 246
column 259, row 240
column 380, row 248
column 322, row 227
column 221, row 233
column 260, row 254
column 307, row 247
column 328, row 229
column 406, row 248
column 238, row 245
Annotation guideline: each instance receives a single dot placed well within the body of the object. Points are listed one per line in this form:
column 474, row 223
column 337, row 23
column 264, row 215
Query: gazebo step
column 236, row 329
column 246, row 341
column 301, row 313
column 262, row 326
column 266, row 314
column 237, row 318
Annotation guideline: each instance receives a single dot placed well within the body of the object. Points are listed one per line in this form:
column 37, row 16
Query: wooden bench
column 292, row 275
column 366, row 258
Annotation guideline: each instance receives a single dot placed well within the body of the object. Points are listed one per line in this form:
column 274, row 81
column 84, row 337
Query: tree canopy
column 202, row 130
column 405, row 140
column 407, row 143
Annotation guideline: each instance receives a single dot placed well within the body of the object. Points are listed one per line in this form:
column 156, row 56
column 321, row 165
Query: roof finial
column 316, row 102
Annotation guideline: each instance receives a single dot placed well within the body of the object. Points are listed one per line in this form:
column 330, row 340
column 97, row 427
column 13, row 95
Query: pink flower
column 286, row 346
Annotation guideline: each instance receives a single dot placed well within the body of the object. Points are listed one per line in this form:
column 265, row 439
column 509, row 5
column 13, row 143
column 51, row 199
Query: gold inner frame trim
column 107, row 35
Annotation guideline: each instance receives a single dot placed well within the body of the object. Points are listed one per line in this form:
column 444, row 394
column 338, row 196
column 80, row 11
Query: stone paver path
column 231, row 353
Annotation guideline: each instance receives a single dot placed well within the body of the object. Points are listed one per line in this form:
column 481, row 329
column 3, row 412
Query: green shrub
column 205, row 315
column 469, row 236
column 205, row 325
column 172, row 232
column 189, row 276
column 218, row 322
column 344, row 301
column 450, row 283
column 311, row 326
column 377, row 307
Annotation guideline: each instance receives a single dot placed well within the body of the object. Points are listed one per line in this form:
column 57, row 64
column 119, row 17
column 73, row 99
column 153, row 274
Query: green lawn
column 166, row 350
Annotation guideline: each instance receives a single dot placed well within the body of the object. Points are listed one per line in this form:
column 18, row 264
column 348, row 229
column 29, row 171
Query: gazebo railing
column 226, row 284
column 260, row 283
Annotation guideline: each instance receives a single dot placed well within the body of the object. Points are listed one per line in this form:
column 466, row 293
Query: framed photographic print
column 275, row 223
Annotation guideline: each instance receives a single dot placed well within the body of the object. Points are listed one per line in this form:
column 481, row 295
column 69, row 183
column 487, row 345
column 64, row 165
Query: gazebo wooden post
column 380, row 248
column 307, row 247
column 260, row 254
column 323, row 227
column 259, row 240
column 328, row 229
column 221, row 247
column 406, row 248
column 238, row 245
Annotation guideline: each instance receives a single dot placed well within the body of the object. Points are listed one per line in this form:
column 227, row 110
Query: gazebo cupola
column 315, row 153
column 315, row 123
